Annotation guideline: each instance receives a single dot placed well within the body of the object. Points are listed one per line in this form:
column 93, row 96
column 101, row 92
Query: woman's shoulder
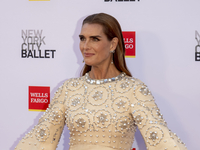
column 73, row 83
column 139, row 86
column 134, row 80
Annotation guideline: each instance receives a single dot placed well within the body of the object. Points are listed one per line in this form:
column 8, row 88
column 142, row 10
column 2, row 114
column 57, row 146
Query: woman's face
column 94, row 45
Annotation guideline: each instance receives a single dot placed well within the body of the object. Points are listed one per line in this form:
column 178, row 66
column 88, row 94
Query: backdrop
column 167, row 50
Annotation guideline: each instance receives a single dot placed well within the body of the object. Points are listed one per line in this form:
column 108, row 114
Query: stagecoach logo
column 39, row 98
column 32, row 45
column 121, row 0
column 129, row 41
column 197, row 48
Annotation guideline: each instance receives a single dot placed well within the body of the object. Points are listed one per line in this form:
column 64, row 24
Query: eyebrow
column 94, row 36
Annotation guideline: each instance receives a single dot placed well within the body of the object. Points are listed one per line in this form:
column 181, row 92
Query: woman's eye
column 95, row 39
column 82, row 38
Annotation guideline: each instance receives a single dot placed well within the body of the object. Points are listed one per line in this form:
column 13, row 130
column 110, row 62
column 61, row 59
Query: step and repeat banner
column 39, row 50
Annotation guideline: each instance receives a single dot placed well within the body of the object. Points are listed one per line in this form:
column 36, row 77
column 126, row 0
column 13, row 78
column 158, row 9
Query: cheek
column 105, row 51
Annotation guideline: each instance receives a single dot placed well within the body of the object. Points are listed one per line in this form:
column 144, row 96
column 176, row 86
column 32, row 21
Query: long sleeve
column 46, row 134
column 150, row 122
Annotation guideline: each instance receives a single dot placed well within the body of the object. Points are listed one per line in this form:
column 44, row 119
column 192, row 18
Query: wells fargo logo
column 129, row 41
column 39, row 98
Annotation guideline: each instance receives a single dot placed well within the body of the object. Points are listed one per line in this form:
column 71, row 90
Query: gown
column 102, row 115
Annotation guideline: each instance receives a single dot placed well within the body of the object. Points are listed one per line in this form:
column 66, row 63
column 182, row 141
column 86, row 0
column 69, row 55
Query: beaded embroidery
column 102, row 112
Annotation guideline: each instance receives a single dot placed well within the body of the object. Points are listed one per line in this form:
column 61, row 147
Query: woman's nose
column 86, row 45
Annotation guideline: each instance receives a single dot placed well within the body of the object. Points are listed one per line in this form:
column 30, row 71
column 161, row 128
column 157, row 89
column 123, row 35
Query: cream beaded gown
column 102, row 115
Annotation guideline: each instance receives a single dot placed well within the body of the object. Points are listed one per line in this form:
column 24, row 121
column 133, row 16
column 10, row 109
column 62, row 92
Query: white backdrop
column 165, row 50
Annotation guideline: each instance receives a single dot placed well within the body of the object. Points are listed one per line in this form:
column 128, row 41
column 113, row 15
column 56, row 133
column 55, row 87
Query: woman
column 103, row 107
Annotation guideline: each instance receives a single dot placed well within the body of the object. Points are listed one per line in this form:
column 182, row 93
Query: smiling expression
column 95, row 46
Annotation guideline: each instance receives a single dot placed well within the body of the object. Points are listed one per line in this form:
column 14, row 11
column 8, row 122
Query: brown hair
column 111, row 29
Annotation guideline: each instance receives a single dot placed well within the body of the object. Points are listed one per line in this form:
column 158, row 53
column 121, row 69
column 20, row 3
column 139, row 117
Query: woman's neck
column 103, row 72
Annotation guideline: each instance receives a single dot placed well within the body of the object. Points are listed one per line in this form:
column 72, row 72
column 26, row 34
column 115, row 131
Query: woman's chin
column 88, row 63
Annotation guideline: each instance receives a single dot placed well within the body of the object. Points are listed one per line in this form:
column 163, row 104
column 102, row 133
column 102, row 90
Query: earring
column 112, row 51
column 112, row 62
column 83, row 61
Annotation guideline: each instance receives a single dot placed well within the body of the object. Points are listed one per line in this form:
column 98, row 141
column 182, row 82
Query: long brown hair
column 111, row 29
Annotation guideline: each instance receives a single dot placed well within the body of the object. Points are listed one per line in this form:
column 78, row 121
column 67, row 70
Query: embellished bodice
column 98, row 112
column 103, row 114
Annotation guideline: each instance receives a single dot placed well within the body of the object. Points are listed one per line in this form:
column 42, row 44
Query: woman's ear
column 114, row 44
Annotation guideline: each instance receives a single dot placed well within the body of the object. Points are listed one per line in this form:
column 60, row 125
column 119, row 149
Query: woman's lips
column 88, row 54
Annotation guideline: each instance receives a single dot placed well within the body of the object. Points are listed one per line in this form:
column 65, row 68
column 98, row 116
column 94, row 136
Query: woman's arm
column 150, row 122
column 46, row 134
